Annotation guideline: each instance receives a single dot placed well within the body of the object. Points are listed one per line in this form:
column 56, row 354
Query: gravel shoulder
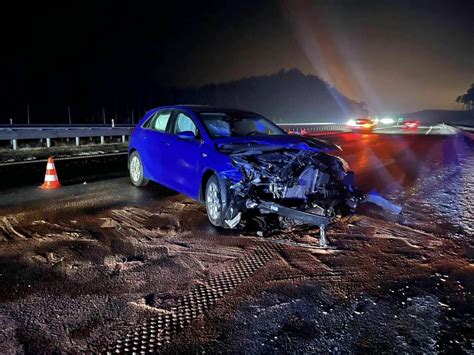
column 62, row 151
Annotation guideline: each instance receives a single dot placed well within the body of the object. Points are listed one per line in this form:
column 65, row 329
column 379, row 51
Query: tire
column 213, row 199
column 135, row 168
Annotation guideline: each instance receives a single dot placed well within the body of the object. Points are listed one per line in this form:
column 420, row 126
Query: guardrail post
column 123, row 139
column 102, row 140
column 48, row 142
column 14, row 144
column 113, row 123
column 77, row 141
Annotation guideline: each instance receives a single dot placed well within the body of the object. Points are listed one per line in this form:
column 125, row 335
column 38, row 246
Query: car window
column 238, row 124
column 184, row 123
column 148, row 121
column 160, row 121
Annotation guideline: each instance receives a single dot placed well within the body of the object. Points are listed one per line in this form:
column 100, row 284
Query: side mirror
column 188, row 135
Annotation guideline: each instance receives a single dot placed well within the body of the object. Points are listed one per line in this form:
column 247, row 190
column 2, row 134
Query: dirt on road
column 150, row 274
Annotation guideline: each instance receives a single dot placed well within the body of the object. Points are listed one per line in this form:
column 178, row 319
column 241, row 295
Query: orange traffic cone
column 51, row 178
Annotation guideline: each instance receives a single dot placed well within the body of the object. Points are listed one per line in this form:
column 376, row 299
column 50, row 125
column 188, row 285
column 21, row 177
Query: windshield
column 238, row 125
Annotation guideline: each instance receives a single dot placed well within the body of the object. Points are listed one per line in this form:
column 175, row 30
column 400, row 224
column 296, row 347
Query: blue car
column 242, row 166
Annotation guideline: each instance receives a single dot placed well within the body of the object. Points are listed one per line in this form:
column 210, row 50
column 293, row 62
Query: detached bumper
column 291, row 213
column 383, row 203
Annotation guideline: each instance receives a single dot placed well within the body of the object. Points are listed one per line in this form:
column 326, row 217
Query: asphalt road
column 105, row 265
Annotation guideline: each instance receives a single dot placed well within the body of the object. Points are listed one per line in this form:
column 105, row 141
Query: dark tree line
column 466, row 101
column 287, row 96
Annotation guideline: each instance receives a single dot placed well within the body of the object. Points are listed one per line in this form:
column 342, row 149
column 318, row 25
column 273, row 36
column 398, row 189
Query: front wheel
column 136, row 170
column 214, row 204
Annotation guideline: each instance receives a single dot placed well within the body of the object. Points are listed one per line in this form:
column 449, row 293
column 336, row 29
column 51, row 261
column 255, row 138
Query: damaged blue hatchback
column 242, row 166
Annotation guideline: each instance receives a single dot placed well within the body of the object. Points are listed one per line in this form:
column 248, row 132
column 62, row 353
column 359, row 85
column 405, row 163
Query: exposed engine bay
column 298, row 186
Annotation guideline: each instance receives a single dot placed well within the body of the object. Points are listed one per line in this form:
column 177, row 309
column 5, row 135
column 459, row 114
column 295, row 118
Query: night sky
column 398, row 56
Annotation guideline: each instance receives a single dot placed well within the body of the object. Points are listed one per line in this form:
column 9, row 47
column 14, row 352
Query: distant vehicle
column 239, row 164
column 412, row 124
column 364, row 125
column 387, row 120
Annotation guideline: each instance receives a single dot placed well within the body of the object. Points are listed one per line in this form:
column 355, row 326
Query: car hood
column 277, row 141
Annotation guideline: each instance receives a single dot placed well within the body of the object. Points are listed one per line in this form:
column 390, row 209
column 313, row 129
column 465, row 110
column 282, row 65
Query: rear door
column 181, row 156
column 154, row 132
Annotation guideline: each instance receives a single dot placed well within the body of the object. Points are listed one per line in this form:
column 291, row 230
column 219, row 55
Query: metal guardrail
column 15, row 133
column 72, row 125
column 466, row 131
column 463, row 127
column 39, row 133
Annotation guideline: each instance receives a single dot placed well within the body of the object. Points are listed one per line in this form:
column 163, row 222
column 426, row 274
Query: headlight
column 345, row 164
column 387, row 120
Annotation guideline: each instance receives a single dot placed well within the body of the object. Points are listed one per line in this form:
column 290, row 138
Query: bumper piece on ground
column 383, row 203
column 291, row 213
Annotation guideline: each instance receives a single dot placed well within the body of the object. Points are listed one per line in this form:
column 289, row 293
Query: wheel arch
column 222, row 186
column 205, row 178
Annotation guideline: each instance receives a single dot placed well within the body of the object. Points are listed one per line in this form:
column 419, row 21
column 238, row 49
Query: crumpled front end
column 289, row 186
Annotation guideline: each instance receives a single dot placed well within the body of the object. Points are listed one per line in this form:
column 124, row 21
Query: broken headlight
column 345, row 164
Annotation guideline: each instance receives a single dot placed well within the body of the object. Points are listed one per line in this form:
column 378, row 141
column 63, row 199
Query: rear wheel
column 136, row 170
column 214, row 201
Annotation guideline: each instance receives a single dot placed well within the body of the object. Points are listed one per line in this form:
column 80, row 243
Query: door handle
column 204, row 155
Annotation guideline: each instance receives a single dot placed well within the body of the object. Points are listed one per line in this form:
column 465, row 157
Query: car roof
column 205, row 108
